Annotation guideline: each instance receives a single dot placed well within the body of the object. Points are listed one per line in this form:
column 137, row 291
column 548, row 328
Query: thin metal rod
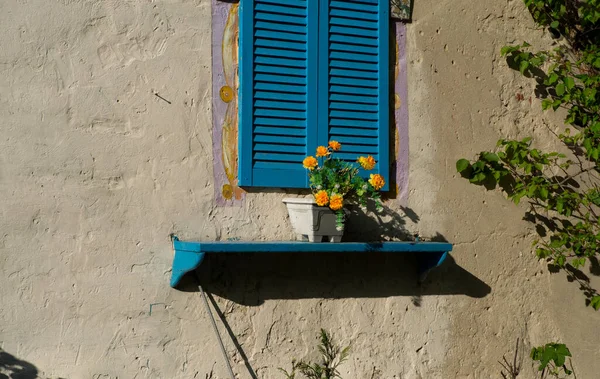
column 214, row 324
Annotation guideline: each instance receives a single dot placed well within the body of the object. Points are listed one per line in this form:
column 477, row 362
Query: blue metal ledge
column 189, row 255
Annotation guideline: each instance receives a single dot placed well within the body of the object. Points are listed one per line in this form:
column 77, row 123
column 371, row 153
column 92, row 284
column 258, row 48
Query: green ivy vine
column 563, row 191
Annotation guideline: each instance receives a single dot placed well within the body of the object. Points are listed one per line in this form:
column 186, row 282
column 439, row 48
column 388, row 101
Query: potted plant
column 334, row 184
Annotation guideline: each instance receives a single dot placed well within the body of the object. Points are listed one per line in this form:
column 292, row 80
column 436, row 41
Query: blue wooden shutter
column 354, row 87
column 278, row 83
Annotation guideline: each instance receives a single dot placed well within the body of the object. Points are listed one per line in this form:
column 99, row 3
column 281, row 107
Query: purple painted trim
column 401, row 115
column 220, row 13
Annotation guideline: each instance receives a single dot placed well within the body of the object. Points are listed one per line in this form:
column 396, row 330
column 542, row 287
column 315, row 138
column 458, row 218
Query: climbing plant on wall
column 562, row 190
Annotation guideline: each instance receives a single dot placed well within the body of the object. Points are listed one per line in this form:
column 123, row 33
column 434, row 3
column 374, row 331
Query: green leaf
column 480, row 177
column 570, row 83
column 560, row 89
column 491, row 157
column 595, row 303
column 546, row 103
column 508, row 49
column 553, row 78
column 523, row 66
column 462, row 165
column 554, row 24
column 562, row 349
column 556, row 103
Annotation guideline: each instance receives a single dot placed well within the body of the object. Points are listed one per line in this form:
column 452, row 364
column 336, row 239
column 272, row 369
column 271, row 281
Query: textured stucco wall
column 96, row 171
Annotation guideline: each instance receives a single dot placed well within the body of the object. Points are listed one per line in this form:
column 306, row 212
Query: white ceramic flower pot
column 312, row 221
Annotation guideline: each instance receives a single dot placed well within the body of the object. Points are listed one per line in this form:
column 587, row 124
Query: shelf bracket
column 188, row 257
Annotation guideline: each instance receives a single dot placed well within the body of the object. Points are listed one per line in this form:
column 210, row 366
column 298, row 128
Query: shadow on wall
column 252, row 278
column 14, row 368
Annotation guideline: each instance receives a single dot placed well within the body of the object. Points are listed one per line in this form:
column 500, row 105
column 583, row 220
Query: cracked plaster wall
column 96, row 171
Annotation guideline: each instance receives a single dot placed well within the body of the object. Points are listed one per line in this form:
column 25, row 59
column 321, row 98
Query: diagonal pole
column 214, row 324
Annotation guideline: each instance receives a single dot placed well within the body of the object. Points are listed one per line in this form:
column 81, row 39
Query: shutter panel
column 278, row 104
column 353, row 79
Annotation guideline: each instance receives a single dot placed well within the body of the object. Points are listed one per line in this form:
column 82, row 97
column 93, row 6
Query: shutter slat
column 354, row 115
column 357, row 66
column 360, row 40
column 279, row 131
column 280, row 147
column 283, row 122
column 354, row 82
column 365, row 25
column 265, row 25
column 278, row 9
column 279, row 61
column 280, row 79
column 353, row 73
column 287, row 140
column 274, row 17
column 338, row 55
column 353, row 132
column 353, row 90
column 279, row 51
column 280, row 105
column 352, row 48
column 352, row 98
column 284, row 36
column 280, row 70
column 278, row 113
column 287, row 45
column 369, row 2
column 363, row 14
column 352, row 123
column 272, row 95
column 279, row 157
column 352, row 106
column 284, row 166
column 290, row 3
column 276, row 87
column 350, row 31
column 354, row 6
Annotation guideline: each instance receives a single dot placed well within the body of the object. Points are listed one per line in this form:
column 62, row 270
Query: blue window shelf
column 189, row 255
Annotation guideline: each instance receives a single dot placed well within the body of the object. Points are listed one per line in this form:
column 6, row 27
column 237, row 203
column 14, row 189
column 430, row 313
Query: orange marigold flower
column 368, row 163
column 321, row 198
column 310, row 163
column 322, row 151
column 377, row 181
column 336, row 202
column 335, row 145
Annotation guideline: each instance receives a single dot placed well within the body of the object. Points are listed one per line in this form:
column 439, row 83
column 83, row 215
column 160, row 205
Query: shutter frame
column 246, row 58
column 384, row 92
column 331, row 91
column 252, row 171
column 318, row 128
